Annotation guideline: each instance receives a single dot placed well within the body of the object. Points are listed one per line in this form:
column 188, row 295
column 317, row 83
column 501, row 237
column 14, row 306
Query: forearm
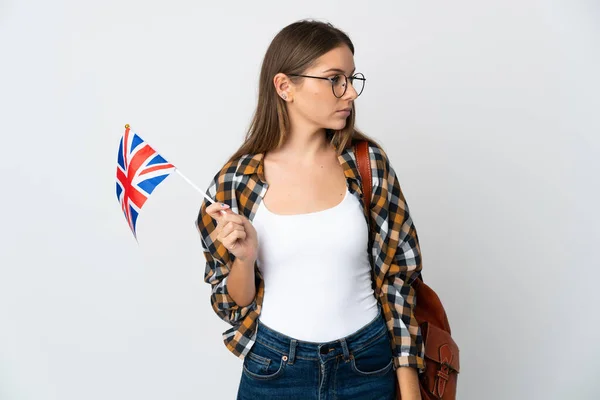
column 408, row 379
column 240, row 282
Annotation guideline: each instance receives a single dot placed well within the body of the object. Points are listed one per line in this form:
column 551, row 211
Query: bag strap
column 363, row 162
column 364, row 169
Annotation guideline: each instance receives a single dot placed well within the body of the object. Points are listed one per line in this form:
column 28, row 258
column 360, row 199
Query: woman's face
column 314, row 100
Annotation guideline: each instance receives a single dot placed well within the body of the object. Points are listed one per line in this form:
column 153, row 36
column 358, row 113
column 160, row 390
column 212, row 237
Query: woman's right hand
column 235, row 232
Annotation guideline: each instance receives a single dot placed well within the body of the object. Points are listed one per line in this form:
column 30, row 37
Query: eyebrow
column 339, row 70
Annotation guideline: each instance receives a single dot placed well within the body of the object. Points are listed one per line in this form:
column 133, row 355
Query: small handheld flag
column 140, row 169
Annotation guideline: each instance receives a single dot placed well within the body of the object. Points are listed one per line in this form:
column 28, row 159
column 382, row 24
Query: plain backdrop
column 489, row 111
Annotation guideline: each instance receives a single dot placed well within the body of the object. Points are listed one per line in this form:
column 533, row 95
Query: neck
column 304, row 144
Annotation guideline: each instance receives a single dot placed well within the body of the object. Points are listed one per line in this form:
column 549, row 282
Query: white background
column 489, row 111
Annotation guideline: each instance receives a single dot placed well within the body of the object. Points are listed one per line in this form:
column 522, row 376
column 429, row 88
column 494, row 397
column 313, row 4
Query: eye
column 335, row 79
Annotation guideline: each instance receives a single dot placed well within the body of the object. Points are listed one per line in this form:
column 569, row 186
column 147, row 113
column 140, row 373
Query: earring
column 284, row 96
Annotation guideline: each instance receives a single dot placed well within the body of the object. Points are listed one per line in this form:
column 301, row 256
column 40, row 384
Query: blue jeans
column 358, row 366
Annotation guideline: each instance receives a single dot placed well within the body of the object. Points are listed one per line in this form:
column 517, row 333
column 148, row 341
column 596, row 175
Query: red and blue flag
column 140, row 169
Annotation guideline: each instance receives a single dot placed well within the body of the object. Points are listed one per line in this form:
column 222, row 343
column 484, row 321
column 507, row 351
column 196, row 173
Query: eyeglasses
column 339, row 83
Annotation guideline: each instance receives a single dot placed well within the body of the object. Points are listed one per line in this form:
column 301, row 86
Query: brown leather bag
column 439, row 379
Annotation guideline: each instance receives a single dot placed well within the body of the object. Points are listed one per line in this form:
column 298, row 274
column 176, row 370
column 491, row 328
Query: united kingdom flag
column 139, row 170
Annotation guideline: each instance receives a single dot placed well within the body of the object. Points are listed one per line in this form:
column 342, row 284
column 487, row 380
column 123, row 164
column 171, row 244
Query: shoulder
column 378, row 153
column 380, row 163
column 376, row 149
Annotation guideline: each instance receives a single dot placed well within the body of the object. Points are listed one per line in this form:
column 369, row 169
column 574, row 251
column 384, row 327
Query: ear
column 283, row 86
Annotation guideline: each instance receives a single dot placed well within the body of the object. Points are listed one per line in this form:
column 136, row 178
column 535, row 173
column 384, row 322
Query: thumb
column 224, row 212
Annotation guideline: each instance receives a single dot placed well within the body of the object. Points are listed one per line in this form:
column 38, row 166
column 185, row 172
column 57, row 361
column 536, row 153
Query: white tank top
column 316, row 271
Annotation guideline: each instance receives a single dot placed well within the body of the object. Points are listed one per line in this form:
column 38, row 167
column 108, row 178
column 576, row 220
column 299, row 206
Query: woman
column 287, row 246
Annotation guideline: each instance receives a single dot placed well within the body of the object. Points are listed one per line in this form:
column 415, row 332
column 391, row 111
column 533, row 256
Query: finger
column 228, row 228
column 215, row 207
column 214, row 210
column 232, row 238
column 222, row 213
column 231, row 216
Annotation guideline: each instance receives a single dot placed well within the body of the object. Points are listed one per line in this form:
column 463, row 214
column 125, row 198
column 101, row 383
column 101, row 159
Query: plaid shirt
column 395, row 253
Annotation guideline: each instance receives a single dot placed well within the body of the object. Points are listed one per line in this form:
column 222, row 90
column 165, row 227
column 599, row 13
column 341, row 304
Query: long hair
column 293, row 50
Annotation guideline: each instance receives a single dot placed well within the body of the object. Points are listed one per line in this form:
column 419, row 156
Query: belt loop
column 345, row 349
column 292, row 357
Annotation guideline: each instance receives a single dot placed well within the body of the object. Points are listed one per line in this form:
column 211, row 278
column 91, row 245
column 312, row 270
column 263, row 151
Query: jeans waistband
column 294, row 348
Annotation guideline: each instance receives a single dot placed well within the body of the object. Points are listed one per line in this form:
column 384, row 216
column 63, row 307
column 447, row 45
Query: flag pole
column 194, row 186
column 223, row 212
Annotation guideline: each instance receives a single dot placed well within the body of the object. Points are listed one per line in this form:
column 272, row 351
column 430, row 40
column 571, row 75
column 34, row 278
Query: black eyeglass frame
column 333, row 83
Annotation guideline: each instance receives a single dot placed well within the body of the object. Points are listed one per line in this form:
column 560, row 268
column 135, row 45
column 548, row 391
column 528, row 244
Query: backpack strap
column 363, row 162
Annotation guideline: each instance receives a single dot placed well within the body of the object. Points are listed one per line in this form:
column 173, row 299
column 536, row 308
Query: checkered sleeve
column 405, row 268
column 218, row 258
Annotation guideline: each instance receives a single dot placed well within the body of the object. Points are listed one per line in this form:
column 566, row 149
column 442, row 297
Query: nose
column 351, row 93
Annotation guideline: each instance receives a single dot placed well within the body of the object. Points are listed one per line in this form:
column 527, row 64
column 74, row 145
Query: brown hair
column 293, row 50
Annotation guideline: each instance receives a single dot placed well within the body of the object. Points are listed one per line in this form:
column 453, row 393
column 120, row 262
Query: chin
column 337, row 125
